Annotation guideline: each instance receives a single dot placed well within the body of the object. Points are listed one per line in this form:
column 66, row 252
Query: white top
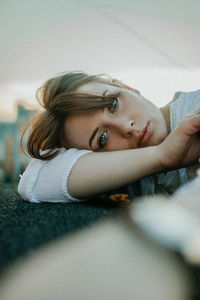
column 46, row 181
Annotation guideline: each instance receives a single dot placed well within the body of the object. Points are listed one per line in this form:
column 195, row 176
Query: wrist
column 158, row 159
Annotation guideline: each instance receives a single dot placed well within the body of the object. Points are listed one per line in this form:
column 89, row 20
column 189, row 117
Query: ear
column 120, row 83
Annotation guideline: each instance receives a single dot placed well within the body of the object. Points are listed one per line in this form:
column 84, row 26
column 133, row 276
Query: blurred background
column 152, row 45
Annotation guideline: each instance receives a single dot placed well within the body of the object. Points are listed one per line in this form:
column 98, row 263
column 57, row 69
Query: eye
column 113, row 105
column 103, row 139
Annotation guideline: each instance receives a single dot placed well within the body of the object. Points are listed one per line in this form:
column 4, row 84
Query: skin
column 120, row 124
column 96, row 173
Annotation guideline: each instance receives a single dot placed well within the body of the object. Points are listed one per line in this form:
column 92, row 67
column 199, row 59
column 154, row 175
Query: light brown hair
column 58, row 98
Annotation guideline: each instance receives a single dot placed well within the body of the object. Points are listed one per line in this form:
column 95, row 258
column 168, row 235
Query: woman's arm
column 82, row 174
column 96, row 173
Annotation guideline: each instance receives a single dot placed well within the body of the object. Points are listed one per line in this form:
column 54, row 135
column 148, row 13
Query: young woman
column 96, row 134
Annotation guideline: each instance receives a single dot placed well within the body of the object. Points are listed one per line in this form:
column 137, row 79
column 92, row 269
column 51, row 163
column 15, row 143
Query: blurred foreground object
column 137, row 255
column 110, row 260
column 174, row 222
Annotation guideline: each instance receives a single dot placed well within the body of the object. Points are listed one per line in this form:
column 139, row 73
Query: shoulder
column 190, row 97
column 182, row 104
column 64, row 155
column 43, row 175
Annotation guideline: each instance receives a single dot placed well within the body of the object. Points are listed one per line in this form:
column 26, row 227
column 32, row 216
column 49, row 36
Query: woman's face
column 131, row 121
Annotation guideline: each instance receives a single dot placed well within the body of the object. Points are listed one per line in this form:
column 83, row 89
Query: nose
column 125, row 127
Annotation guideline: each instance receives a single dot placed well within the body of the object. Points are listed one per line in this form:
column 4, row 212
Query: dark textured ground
column 25, row 226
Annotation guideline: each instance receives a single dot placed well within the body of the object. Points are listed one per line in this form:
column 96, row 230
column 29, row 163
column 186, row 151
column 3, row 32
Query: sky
column 152, row 45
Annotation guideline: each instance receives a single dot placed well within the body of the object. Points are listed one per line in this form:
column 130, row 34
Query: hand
column 182, row 146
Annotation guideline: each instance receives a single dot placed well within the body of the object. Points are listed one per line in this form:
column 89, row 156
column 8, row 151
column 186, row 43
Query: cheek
column 79, row 141
column 152, row 108
column 72, row 137
column 119, row 143
column 138, row 106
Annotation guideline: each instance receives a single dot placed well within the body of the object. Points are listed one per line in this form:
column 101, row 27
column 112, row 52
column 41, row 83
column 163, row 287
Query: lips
column 144, row 135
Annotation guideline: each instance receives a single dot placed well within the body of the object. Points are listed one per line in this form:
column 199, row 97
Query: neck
column 166, row 114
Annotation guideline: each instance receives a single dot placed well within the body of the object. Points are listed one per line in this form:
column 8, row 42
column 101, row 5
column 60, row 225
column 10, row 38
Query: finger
column 193, row 114
column 190, row 124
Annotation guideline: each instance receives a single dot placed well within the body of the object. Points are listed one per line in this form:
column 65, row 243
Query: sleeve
column 46, row 181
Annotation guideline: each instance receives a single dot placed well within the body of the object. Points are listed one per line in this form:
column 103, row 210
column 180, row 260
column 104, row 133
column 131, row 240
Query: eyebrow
column 93, row 136
column 95, row 131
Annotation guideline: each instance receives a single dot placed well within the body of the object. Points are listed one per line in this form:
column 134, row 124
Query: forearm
column 96, row 173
